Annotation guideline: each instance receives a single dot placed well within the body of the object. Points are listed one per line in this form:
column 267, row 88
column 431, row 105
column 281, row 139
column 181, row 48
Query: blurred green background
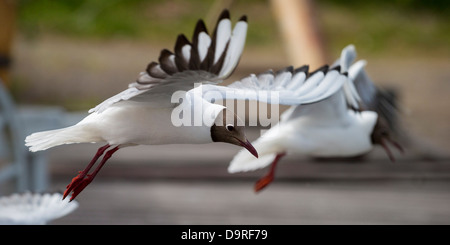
column 73, row 54
column 77, row 53
column 399, row 27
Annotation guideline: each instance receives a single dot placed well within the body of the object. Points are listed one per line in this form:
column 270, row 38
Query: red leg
column 387, row 150
column 88, row 179
column 268, row 178
column 77, row 179
column 397, row 145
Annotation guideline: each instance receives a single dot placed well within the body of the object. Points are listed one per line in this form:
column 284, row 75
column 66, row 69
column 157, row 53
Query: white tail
column 267, row 148
column 244, row 162
column 47, row 139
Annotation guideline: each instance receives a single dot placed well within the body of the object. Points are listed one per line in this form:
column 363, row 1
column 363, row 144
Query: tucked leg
column 388, row 151
column 77, row 179
column 268, row 178
column 88, row 179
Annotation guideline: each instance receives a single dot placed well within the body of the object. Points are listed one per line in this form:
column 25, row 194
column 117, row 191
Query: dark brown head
column 381, row 134
column 227, row 128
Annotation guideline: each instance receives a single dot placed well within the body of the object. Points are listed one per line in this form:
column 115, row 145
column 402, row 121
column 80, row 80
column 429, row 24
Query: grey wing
column 331, row 110
column 207, row 59
column 287, row 86
column 369, row 96
column 374, row 98
column 348, row 56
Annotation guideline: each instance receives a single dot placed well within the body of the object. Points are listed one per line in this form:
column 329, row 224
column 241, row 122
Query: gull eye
column 230, row 127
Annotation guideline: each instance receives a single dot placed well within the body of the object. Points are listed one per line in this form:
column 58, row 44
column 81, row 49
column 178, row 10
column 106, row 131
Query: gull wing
column 205, row 59
column 287, row 86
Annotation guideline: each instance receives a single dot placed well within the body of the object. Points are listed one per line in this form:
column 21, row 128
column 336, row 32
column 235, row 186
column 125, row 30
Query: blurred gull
column 344, row 124
column 33, row 209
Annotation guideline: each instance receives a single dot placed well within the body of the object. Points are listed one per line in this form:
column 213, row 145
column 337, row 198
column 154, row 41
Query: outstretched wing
column 370, row 96
column 348, row 56
column 287, row 86
column 207, row 59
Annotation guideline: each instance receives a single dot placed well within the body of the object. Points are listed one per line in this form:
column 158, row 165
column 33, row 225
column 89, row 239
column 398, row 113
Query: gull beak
column 247, row 145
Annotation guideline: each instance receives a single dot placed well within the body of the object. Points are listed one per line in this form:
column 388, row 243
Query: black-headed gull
column 337, row 126
column 148, row 112
column 142, row 114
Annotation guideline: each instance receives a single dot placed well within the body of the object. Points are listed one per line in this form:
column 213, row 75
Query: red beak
column 247, row 145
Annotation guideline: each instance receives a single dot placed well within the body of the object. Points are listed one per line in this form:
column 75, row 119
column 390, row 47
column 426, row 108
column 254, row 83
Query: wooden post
column 298, row 28
column 7, row 26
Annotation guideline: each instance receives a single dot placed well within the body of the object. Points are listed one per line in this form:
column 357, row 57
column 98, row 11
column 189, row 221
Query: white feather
column 283, row 79
column 235, row 48
column 34, row 209
column 310, row 84
column 203, row 44
column 222, row 36
column 297, row 81
column 186, row 51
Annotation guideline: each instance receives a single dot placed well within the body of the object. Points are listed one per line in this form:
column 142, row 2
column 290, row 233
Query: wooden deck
column 166, row 185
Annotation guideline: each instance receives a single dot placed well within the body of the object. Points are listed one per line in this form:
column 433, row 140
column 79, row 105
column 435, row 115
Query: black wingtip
column 243, row 18
column 286, row 69
column 199, row 27
column 337, row 68
column 304, row 69
column 323, row 69
column 151, row 66
column 224, row 15
column 181, row 41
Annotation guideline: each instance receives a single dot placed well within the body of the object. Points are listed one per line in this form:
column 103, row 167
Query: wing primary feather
column 154, row 70
column 181, row 61
column 217, row 67
column 310, row 83
column 323, row 69
column 287, row 69
column 167, row 62
column 336, row 68
column 201, row 59
column 283, row 76
column 304, row 69
column 297, row 80
column 194, row 62
column 236, row 46
column 222, row 35
column 208, row 62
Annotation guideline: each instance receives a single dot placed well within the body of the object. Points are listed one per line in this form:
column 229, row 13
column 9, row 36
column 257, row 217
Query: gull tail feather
column 47, row 139
column 244, row 162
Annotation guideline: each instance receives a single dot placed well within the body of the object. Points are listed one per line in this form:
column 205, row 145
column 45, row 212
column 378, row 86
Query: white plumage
column 33, row 209
column 146, row 104
column 143, row 114
column 335, row 126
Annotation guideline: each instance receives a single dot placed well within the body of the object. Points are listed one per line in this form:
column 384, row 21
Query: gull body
column 345, row 124
column 129, row 123
column 322, row 129
column 142, row 114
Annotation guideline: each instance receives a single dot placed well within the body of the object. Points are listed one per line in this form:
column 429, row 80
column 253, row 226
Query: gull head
column 228, row 128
